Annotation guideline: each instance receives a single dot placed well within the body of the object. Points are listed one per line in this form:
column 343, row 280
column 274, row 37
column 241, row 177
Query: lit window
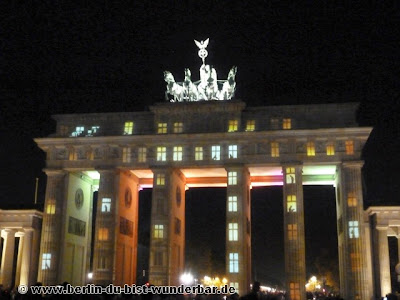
column 349, row 147
column 233, row 263
column 250, row 125
column 73, row 154
column 216, row 152
column 177, row 154
column 290, row 175
column 287, row 123
column 291, row 203
column 310, row 149
column 233, row 151
column 233, row 231
column 232, row 178
column 178, row 127
column 51, row 209
column 103, row 234
column 160, row 179
column 128, row 128
column 232, row 203
column 232, row 125
column 126, row 154
column 292, row 232
column 330, row 149
column 353, row 230
column 274, row 123
column 198, row 153
column 78, row 131
column 235, row 285
column 162, row 128
column 294, row 289
column 106, row 205
column 351, row 200
column 161, row 153
column 355, row 261
column 46, row 261
column 274, row 149
column 142, row 154
column 158, row 231
column 92, row 131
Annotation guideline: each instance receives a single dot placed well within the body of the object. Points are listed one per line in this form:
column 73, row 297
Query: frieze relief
column 320, row 147
column 300, row 147
column 61, row 153
column 114, row 152
column 81, row 153
column 340, row 146
column 98, row 152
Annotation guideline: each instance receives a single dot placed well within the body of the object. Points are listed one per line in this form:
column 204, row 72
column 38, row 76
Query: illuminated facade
column 20, row 239
column 204, row 139
column 176, row 146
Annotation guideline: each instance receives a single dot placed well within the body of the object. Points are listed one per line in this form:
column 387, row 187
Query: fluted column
column 238, row 228
column 397, row 268
column 49, row 257
column 294, row 241
column 21, row 236
column 384, row 263
column 351, row 237
column 106, row 229
column 167, row 233
column 26, row 258
column 7, row 261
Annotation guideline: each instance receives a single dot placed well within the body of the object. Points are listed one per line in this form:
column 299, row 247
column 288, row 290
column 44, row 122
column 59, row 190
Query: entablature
column 216, row 149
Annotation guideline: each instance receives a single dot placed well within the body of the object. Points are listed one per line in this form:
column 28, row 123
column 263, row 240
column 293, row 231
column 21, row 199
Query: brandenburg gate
column 201, row 137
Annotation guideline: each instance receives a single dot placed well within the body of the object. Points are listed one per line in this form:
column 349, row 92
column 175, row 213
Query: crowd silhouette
column 254, row 294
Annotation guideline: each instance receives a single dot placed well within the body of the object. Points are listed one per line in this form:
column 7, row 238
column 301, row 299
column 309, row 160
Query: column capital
column 19, row 233
column 355, row 164
column 381, row 228
column 8, row 231
column 291, row 164
column 107, row 170
column 54, row 172
column 28, row 229
column 166, row 168
column 229, row 167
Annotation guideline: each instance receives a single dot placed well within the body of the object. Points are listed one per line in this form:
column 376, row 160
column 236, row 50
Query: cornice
column 359, row 132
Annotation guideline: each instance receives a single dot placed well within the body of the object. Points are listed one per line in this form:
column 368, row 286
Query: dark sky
column 63, row 57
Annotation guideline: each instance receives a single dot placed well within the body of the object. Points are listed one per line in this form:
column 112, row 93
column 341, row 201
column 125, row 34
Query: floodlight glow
column 93, row 174
column 186, row 278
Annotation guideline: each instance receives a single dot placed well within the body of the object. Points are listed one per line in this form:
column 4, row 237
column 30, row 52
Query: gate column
column 54, row 212
column 104, row 259
column 293, row 220
column 238, row 228
column 351, row 237
column 7, row 262
column 382, row 247
column 167, row 234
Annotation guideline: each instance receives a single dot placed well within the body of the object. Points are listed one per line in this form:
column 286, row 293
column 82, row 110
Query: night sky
column 60, row 57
